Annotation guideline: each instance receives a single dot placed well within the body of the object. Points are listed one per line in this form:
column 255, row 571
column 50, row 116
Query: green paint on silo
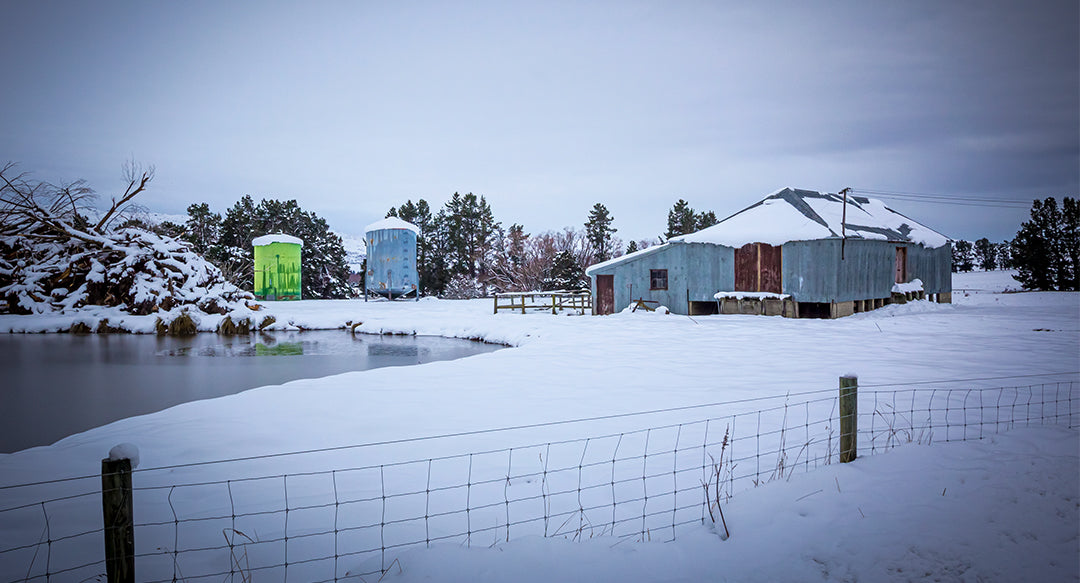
column 277, row 267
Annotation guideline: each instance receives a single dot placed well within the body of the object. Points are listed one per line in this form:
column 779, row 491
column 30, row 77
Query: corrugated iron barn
column 797, row 253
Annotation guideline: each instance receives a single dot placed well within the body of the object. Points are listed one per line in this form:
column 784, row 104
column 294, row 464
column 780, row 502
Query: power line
column 960, row 200
column 904, row 193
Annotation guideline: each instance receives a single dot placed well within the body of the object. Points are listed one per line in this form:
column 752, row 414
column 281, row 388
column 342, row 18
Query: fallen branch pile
column 53, row 260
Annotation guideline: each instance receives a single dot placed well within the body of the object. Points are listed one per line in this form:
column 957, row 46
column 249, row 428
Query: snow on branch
column 52, row 260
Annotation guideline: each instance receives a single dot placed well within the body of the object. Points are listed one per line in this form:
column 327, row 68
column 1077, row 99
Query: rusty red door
column 770, row 275
column 758, row 268
column 901, row 265
column 605, row 294
column 746, row 272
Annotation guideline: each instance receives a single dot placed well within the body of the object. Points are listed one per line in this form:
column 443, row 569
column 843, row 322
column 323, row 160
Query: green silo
column 277, row 267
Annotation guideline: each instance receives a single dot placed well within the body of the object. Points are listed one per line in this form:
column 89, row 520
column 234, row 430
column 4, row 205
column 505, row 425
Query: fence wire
column 643, row 484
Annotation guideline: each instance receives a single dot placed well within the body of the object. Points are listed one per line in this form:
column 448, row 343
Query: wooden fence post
column 116, row 506
column 849, row 417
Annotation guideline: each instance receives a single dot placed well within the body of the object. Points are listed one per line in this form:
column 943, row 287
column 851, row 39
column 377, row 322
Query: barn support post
column 849, row 417
column 116, row 508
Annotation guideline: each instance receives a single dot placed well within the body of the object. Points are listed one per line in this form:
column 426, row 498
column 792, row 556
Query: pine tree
column 230, row 251
column 440, row 252
column 565, row 274
column 1004, row 255
column 1070, row 244
column 986, row 254
column 681, row 220
column 962, row 256
column 705, row 220
column 632, row 247
column 598, row 232
column 515, row 246
column 1036, row 247
column 470, row 229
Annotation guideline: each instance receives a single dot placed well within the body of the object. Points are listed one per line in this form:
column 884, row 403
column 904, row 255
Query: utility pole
column 843, row 223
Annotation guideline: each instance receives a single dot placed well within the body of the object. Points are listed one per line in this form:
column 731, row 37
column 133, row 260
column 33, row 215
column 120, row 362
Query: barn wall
column 700, row 268
column 814, row 272
column 710, row 268
column 868, row 270
column 810, row 270
column 932, row 266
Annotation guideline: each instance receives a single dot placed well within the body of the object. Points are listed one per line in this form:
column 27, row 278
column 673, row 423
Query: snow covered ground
column 1012, row 498
column 1002, row 509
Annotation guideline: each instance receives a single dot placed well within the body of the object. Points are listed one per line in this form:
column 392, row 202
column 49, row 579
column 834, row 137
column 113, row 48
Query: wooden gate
column 758, row 268
column 605, row 294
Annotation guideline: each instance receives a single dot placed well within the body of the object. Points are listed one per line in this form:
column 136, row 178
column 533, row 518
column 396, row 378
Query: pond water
column 55, row 385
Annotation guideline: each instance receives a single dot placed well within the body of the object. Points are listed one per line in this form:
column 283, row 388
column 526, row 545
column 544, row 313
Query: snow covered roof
column 621, row 258
column 391, row 223
column 793, row 214
column 276, row 238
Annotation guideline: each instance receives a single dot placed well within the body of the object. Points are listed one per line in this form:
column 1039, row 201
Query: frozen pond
column 55, row 385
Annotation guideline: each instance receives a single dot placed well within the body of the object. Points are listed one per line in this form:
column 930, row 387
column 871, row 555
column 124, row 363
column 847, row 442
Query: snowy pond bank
column 101, row 378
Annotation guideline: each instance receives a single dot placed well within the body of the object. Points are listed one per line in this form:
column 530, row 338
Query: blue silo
column 391, row 259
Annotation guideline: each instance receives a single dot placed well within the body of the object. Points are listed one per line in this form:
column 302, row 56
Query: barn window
column 657, row 279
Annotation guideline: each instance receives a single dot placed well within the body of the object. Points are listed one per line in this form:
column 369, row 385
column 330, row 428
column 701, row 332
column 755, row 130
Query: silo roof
column 391, row 223
column 276, row 238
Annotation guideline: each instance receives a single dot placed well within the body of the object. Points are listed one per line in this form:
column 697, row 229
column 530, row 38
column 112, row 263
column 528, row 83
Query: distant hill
column 355, row 251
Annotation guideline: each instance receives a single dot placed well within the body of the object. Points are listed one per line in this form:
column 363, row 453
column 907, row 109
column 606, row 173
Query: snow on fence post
column 119, row 520
column 849, row 417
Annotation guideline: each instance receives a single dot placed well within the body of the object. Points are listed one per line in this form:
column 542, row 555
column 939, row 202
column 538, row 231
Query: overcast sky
column 549, row 107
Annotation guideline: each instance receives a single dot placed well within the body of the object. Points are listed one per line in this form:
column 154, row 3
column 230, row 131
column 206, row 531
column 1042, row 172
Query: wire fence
column 235, row 523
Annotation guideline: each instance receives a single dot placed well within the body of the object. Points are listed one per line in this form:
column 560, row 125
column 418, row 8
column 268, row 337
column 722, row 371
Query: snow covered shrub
column 463, row 287
column 140, row 271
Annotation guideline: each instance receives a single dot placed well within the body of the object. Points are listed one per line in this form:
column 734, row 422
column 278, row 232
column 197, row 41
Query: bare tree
column 39, row 209
column 137, row 179
column 43, row 210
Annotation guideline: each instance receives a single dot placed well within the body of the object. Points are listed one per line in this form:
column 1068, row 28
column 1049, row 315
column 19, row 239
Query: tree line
column 982, row 254
column 1045, row 251
column 463, row 251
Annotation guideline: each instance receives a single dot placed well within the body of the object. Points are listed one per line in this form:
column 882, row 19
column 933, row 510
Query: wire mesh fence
column 243, row 521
